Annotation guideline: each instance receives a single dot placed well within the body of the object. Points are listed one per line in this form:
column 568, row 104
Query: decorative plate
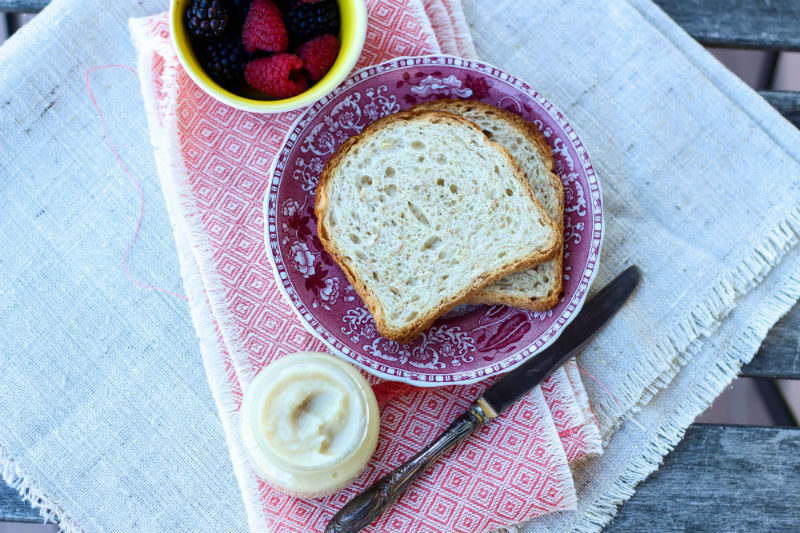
column 471, row 342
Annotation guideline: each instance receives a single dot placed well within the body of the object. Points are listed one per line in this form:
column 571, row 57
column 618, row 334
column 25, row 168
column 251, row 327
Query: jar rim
column 272, row 465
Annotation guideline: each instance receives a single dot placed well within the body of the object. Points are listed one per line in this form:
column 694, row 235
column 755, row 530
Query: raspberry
column 264, row 29
column 224, row 60
column 306, row 21
column 278, row 76
column 318, row 55
column 207, row 19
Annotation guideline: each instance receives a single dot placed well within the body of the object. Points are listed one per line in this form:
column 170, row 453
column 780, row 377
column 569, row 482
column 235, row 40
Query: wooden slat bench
column 720, row 478
column 727, row 478
column 759, row 24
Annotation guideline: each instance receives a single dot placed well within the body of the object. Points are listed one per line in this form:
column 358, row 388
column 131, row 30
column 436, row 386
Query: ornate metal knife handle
column 367, row 506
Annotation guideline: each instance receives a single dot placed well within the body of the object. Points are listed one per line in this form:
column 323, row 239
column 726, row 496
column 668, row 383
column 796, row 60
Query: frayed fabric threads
column 688, row 336
column 32, row 493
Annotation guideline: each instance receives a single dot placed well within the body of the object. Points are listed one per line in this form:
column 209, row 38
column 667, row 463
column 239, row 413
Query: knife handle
column 368, row 506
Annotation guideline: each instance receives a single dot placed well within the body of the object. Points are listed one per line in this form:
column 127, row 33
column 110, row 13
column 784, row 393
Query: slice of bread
column 420, row 211
column 539, row 288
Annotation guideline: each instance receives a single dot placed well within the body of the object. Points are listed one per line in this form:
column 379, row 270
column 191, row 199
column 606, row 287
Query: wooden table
column 720, row 478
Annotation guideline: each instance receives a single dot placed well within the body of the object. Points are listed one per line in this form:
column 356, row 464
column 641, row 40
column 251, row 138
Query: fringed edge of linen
column 689, row 334
column 192, row 244
column 737, row 353
column 563, row 475
column 30, row 492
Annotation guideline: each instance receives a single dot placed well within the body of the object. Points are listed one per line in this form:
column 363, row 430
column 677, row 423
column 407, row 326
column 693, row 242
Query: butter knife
column 367, row 506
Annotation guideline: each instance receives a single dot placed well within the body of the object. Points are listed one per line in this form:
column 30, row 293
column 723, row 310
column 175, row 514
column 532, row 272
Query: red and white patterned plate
column 471, row 342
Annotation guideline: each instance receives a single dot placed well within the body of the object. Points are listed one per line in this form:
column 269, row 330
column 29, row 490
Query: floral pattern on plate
column 471, row 342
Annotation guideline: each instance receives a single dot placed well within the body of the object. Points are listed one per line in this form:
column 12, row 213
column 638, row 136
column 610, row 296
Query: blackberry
column 238, row 11
column 224, row 60
column 306, row 21
column 207, row 19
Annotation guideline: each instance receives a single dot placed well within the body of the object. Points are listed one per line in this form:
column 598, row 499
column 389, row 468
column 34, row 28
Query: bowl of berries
column 268, row 56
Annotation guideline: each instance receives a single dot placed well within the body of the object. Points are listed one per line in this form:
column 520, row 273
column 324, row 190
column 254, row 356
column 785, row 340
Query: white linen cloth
column 109, row 431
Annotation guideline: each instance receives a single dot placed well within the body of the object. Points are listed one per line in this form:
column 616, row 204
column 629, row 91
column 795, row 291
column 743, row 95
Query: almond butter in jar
column 310, row 424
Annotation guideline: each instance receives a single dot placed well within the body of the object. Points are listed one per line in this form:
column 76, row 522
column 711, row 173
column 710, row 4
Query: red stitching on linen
column 602, row 386
column 130, row 178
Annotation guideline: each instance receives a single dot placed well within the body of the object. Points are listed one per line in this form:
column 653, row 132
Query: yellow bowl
column 352, row 31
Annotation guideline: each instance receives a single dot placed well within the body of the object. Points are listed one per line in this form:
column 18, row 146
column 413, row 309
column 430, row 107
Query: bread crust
column 411, row 331
column 490, row 295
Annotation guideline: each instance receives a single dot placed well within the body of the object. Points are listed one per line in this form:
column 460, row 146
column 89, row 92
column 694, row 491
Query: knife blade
column 496, row 399
column 515, row 384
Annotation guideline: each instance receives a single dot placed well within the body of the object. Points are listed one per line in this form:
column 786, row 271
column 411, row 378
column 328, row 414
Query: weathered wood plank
column 720, row 479
column 764, row 24
column 23, row 6
column 13, row 509
column 779, row 355
column 786, row 102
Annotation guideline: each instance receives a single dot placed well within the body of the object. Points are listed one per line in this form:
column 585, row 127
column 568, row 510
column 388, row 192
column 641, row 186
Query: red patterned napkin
column 214, row 164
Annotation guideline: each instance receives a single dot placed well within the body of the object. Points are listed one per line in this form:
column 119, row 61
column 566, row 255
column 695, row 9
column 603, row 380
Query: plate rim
column 432, row 382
